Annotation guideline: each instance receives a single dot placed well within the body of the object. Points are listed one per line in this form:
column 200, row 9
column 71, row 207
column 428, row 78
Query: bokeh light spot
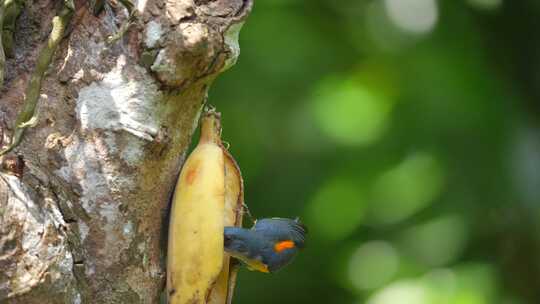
column 382, row 31
column 402, row 292
column 405, row 189
column 465, row 284
column 477, row 284
column 525, row 161
column 372, row 265
column 487, row 5
column 413, row 16
column 436, row 242
column 442, row 284
column 337, row 209
column 350, row 112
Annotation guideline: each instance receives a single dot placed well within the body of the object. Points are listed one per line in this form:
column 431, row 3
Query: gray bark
column 86, row 221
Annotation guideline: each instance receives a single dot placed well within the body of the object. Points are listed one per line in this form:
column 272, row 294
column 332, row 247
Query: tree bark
column 85, row 222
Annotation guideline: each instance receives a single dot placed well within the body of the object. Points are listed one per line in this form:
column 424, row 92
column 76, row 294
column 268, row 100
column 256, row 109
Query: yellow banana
column 208, row 196
column 234, row 201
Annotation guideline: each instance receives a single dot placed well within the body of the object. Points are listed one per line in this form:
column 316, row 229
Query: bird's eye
column 227, row 241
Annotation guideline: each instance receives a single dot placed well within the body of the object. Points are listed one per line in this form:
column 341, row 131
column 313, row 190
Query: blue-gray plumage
column 269, row 245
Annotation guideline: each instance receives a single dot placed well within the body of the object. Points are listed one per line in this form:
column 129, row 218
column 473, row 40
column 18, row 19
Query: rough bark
column 85, row 222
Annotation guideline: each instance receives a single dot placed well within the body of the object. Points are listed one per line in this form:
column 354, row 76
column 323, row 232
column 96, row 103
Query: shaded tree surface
column 85, row 221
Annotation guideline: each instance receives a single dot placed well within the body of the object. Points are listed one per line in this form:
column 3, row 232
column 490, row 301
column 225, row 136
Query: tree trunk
column 86, row 221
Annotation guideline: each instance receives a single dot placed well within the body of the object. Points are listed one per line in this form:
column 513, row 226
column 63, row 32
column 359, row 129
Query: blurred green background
column 405, row 134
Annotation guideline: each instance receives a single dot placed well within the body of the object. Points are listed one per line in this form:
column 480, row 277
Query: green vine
column 27, row 117
column 12, row 10
column 2, row 55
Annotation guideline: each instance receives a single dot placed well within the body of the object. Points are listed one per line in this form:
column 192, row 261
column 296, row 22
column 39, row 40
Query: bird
column 269, row 245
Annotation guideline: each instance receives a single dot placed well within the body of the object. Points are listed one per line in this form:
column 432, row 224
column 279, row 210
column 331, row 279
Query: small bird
column 269, row 245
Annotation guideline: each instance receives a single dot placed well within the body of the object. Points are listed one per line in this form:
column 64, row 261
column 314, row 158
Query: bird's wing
column 282, row 229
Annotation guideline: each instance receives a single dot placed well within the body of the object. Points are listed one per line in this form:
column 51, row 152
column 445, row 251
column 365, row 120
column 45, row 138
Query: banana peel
column 208, row 197
column 222, row 291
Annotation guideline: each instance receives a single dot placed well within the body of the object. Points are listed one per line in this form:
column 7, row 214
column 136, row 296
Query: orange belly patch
column 280, row 246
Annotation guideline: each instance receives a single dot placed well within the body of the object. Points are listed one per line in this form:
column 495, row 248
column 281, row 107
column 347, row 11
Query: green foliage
column 407, row 139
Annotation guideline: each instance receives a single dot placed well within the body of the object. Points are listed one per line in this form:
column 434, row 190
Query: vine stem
column 2, row 54
column 28, row 117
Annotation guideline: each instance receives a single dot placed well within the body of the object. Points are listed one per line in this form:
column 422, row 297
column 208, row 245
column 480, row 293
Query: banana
column 208, row 196
column 234, row 201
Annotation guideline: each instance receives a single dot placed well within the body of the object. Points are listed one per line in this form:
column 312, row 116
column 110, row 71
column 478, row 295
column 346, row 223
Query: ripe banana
column 208, row 196
column 234, row 201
